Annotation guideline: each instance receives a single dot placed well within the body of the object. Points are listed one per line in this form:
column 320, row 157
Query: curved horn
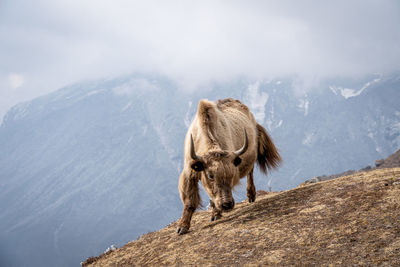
column 245, row 146
column 192, row 152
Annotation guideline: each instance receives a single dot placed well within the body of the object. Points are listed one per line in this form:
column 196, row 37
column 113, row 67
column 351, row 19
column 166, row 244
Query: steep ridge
column 344, row 221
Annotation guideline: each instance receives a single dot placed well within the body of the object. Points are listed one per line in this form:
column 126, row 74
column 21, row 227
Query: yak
column 221, row 146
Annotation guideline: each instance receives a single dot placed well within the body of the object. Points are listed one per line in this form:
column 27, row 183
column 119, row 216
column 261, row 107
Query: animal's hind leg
column 251, row 189
column 215, row 214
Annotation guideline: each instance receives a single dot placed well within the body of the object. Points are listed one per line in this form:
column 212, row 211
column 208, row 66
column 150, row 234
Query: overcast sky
column 47, row 44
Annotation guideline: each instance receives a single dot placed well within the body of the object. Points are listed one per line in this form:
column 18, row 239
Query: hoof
column 214, row 218
column 251, row 198
column 182, row 230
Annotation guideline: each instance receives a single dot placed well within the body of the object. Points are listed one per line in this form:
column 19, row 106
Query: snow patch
column 187, row 120
column 126, row 106
column 293, row 177
column 111, row 248
column 167, row 145
column 304, row 104
column 393, row 131
column 395, row 127
column 270, row 120
column 333, row 89
column 269, row 185
column 308, row 139
column 379, row 149
column 93, row 92
column 144, row 128
column 348, row 92
column 256, row 101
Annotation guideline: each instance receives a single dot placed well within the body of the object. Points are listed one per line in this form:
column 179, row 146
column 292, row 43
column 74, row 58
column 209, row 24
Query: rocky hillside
column 352, row 220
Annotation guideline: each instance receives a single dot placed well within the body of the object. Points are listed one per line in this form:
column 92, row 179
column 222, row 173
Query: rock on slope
column 345, row 221
column 390, row 162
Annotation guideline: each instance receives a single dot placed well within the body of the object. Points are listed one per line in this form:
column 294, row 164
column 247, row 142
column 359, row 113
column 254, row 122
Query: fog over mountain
column 97, row 163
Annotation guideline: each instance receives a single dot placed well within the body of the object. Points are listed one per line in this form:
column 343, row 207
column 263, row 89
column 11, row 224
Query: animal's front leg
column 251, row 189
column 184, row 222
column 215, row 213
column 189, row 192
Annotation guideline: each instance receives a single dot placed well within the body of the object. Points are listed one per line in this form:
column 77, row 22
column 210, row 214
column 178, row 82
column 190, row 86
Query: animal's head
column 220, row 173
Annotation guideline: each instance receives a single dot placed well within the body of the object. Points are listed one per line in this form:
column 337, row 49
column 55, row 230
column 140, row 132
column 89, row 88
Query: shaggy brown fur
column 218, row 132
column 267, row 154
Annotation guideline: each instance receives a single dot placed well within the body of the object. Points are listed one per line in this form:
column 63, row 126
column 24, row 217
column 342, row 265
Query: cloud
column 56, row 43
column 134, row 86
column 15, row 80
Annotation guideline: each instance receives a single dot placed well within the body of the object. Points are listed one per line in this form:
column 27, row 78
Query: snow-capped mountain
column 97, row 163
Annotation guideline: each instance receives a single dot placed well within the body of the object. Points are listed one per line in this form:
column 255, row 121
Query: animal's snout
column 228, row 205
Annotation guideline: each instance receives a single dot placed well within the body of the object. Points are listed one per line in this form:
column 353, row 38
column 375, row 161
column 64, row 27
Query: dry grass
column 353, row 220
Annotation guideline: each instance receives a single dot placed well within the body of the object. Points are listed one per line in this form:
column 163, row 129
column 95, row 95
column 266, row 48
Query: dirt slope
column 390, row 162
column 352, row 220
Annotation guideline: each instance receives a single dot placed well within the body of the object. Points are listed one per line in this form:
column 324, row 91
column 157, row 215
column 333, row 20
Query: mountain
column 348, row 221
column 97, row 163
column 83, row 161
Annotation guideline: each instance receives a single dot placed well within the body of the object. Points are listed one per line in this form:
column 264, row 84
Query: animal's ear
column 237, row 161
column 207, row 114
column 197, row 166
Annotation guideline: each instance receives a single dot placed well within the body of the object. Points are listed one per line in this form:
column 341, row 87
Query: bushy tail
column 267, row 155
